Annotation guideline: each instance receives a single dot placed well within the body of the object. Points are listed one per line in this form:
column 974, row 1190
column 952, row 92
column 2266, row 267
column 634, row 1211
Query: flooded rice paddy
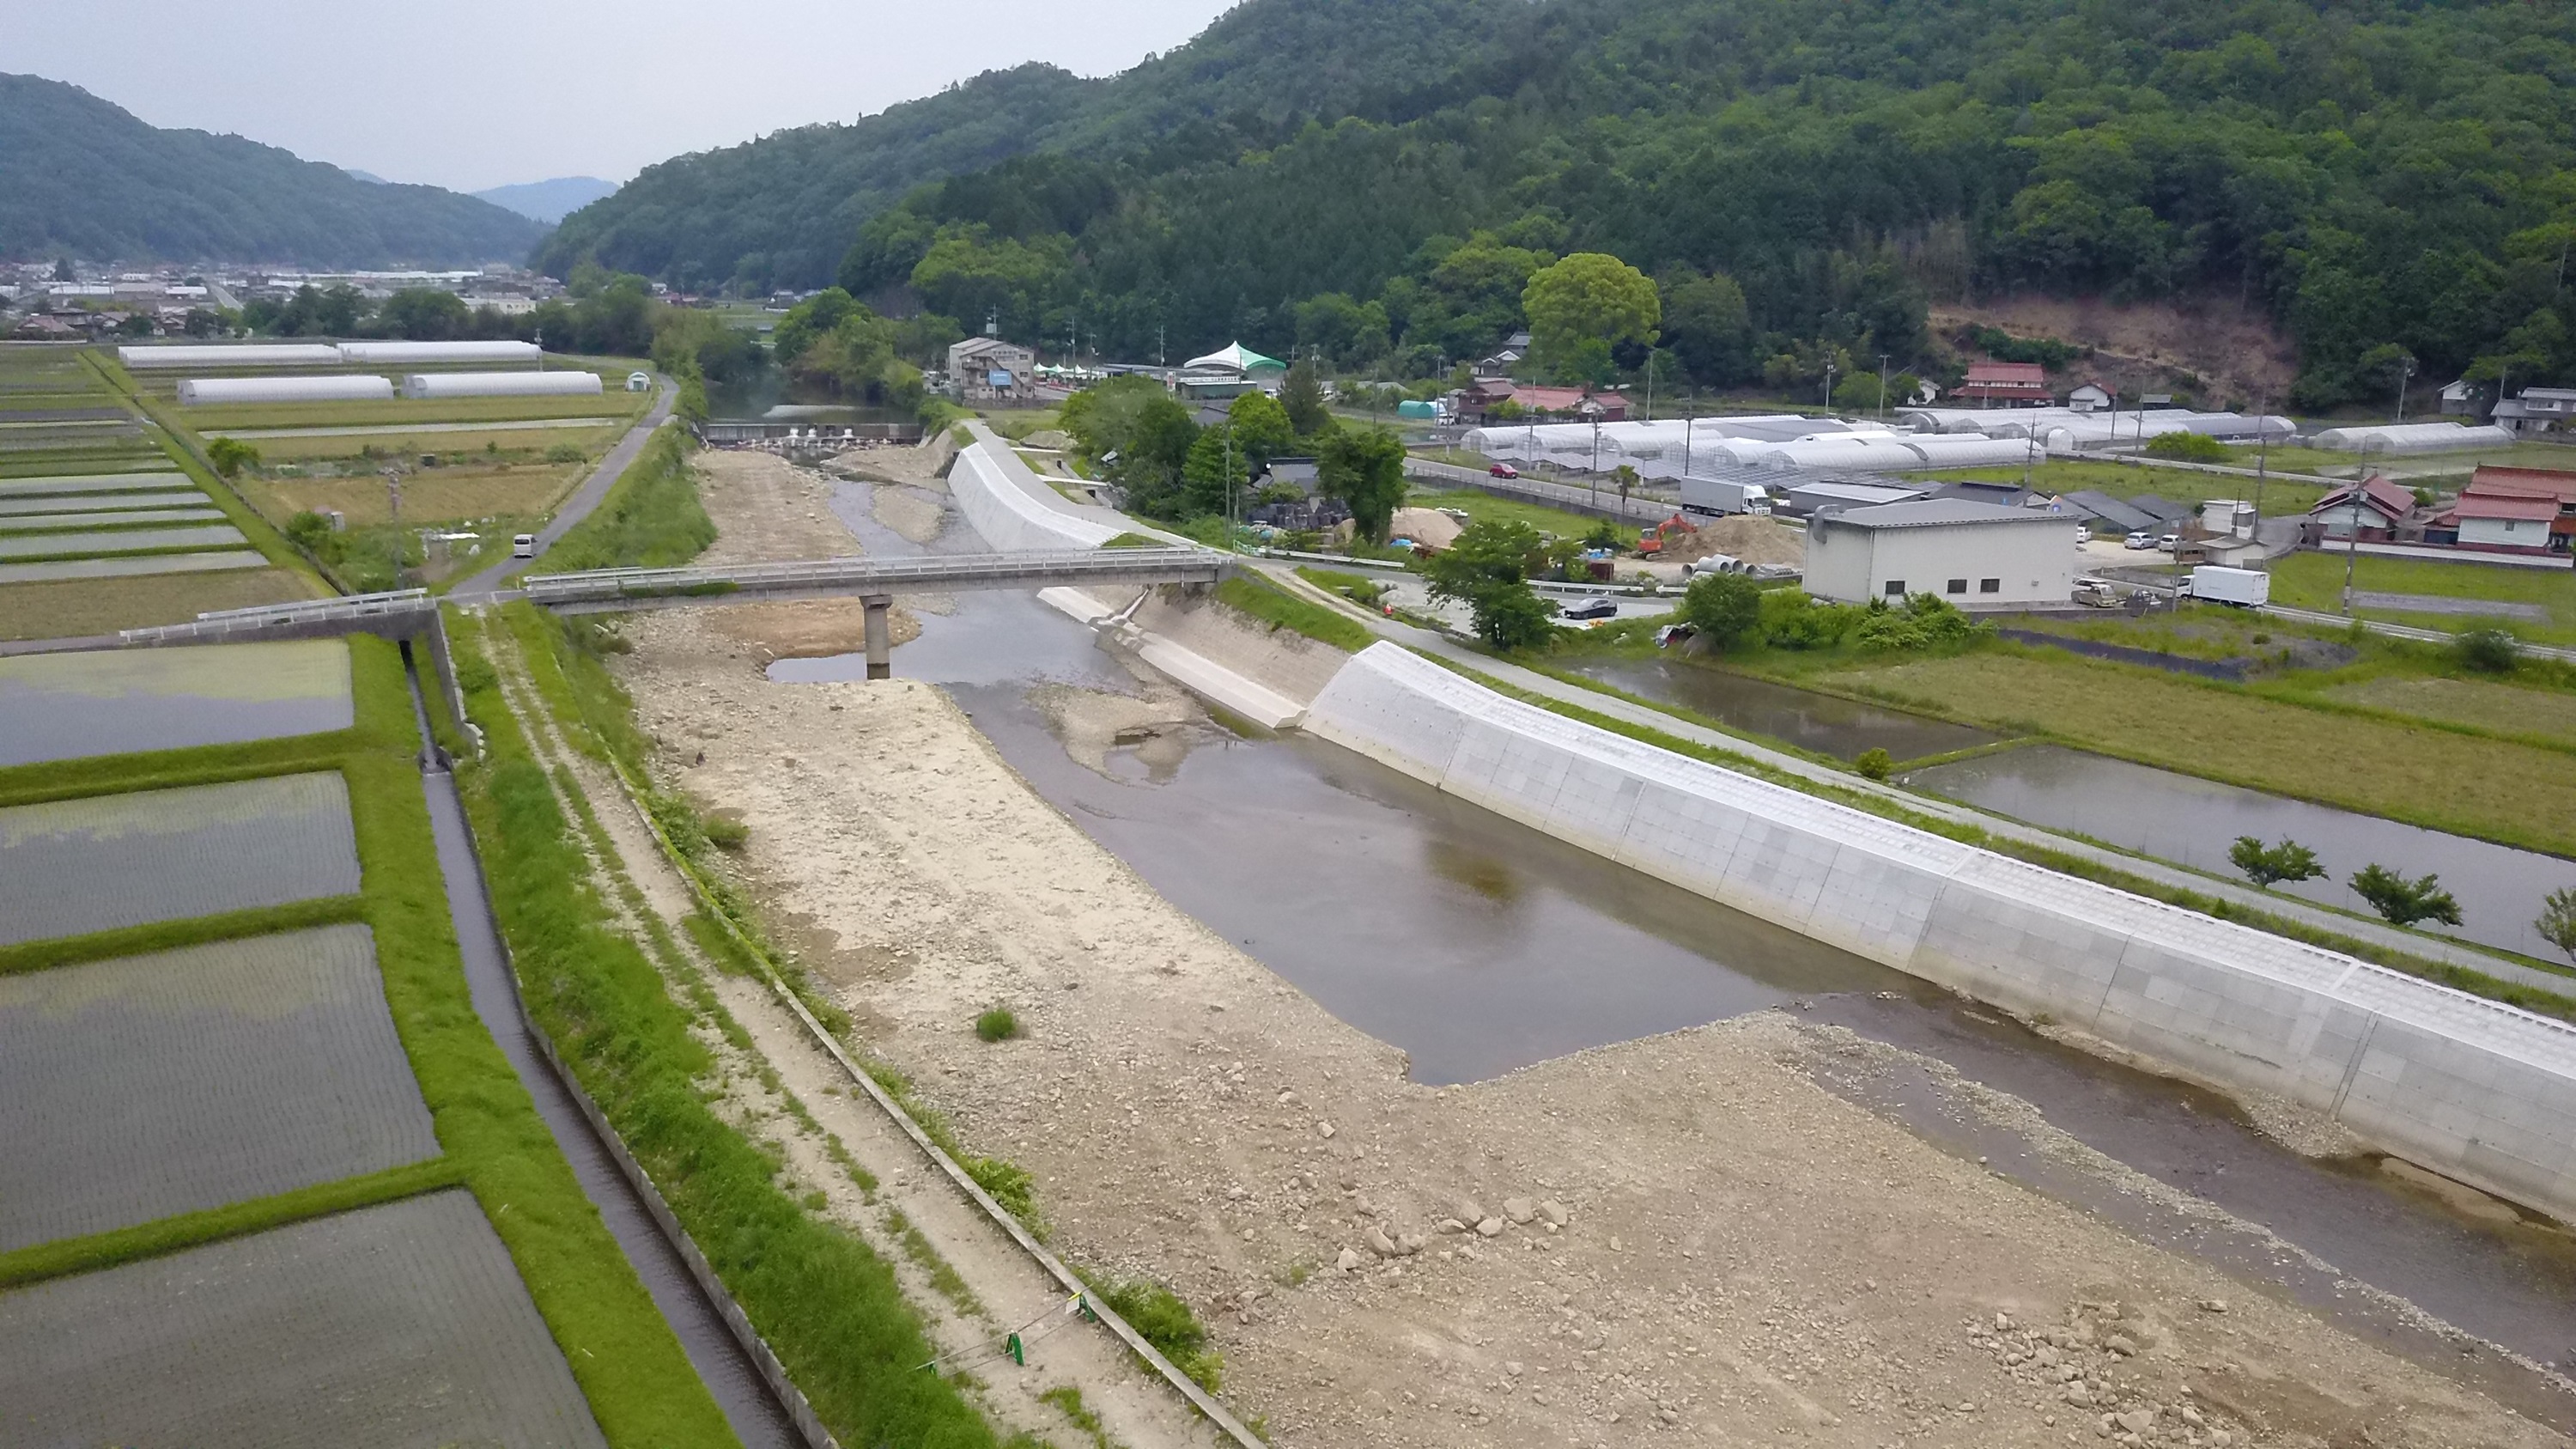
column 69, row 867
column 113, row 702
column 2191, row 821
column 145, row 1086
column 404, row 1324
column 1841, row 728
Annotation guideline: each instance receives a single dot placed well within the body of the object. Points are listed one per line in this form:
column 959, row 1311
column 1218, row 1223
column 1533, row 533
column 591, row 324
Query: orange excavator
column 1652, row 538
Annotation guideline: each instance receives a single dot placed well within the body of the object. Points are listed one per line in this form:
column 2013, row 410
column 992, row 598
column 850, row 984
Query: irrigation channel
column 755, row 1414
column 1478, row 946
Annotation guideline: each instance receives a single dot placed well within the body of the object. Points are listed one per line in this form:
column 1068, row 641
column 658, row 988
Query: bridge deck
column 610, row 590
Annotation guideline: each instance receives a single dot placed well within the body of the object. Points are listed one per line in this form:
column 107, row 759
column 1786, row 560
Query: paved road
column 584, row 499
column 1531, row 680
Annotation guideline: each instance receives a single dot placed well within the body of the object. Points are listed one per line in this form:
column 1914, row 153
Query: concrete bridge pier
column 879, row 636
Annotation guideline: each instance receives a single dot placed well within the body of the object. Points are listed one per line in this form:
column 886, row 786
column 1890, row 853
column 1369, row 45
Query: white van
column 524, row 546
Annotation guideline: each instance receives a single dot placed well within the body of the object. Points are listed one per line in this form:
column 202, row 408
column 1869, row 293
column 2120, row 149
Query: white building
column 988, row 368
column 1974, row 555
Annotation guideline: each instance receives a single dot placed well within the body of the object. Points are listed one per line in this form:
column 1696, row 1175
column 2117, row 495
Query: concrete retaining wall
column 2468, row 1087
column 1010, row 518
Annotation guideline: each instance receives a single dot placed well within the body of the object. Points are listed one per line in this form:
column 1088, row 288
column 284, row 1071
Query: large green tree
column 1364, row 468
column 1586, row 306
column 1487, row 568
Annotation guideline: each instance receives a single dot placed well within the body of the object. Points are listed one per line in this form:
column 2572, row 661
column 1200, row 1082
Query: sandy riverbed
column 1742, row 1254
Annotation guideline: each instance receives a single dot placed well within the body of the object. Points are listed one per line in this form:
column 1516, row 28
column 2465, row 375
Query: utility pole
column 2405, row 372
column 2352, row 528
column 2262, row 456
column 1690, row 425
column 1650, row 384
column 1882, row 387
column 1829, row 387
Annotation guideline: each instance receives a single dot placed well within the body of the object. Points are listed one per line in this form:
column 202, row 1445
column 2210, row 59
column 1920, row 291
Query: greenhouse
column 500, row 384
column 200, row 391
column 231, row 355
column 2414, row 438
column 378, row 354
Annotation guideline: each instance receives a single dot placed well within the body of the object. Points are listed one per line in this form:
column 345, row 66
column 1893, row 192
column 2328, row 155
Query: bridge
column 872, row 581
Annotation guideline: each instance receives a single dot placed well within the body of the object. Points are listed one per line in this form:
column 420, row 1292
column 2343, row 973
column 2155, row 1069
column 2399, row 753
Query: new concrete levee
column 2469, row 1087
column 1010, row 517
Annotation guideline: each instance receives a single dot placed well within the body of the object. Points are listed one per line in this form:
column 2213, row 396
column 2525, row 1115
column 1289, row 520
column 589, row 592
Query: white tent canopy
column 1234, row 357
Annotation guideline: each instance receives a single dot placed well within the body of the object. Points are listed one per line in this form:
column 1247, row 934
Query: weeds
column 997, row 1024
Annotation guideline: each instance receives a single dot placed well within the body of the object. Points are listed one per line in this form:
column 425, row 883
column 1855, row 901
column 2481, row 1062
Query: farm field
column 177, row 510
column 66, row 484
column 74, row 706
column 431, row 495
column 102, row 500
column 307, row 447
column 2314, row 580
column 2127, row 480
column 398, row 1325
column 68, row 569
column 2494, row 789
column 101, row 596
column 198, row 850
column 397, row 411
column 2505, row 708
column 107, row 541
column 144, row 1086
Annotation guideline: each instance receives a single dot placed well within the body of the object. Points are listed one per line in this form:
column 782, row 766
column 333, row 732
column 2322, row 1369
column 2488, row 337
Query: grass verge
column 1266, row 602
column 170, row 935
column 826, row 1304
column 650, row 519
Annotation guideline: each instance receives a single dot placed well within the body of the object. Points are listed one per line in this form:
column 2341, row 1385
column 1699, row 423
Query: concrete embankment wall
column 1012, row 519
column 2471, row 1088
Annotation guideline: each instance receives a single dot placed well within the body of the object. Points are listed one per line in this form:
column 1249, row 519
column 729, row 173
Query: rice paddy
column 71, row 867
column 55, row 570
column 32, row 487
column 106, row 518
column 145, row 1086
column 75, row 706
column 399, row 1325
column 104, row 541
column 103, row 501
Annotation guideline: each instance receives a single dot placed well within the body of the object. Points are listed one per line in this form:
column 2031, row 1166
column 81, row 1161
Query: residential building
column 1479, row 400
column 2537, row 410
column 2006, row 382
column 2379, row 512
column 2460, row 399
column 988, row 369
column 1505, row 357
column 2090, row 397
column 2512, row 510
column 2109, row 514
column 1974, row 555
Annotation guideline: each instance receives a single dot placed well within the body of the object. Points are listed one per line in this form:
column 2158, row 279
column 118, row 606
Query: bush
column 1874, row 763
column 726, row 834
column 2403, row 902
column 563, row 453
column 308, row 531
column 2187, row 448
column 1722, row 608
column 1168, row 1324
column 231, row 455
column 1793, row 620
column 997, row 1024
column 2266, row 864
column 2488, row 651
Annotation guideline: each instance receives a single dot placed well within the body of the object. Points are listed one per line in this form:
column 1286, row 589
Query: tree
column 1589, row 297
column 1487, row 569
column 2187, row 447
column 1723, row 609
column 231, row 455
column 1301, row 394
column 1364, row 468
column 1874, row 763
column 424, row 314
column 135, row 324
column 2403, row 902
column 63, row 270
column 1261, row 427
column 1710, row 329
column 1213, row 475
column 2557, row 922
column 2266, row 865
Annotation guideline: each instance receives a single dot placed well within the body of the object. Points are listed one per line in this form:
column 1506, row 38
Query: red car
column 1504, row 470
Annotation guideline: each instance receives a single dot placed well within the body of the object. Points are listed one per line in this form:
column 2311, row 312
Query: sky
column 470, row 94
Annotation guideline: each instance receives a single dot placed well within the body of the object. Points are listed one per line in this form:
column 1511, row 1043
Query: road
column 584, row 500
column 1444, row 647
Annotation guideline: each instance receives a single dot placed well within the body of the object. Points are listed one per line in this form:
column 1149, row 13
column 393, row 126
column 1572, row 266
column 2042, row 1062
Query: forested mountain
column 1377, row 178
column 83, row 177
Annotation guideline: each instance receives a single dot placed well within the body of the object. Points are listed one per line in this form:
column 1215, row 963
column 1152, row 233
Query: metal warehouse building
column 1975, row 555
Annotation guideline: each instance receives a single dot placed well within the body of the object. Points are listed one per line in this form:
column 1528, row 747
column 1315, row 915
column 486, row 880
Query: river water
column 2191, row 821
column 1477, row 946
column 1820, row 722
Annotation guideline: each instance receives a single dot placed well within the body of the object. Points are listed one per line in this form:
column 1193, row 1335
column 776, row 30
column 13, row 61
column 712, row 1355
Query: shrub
column 1874, row 763
column 2266, row 864
column 2488, row 651
column 726, row 834
column 563, row 453
column 2403, row 902
column 308, row 530
column 1168, row 1324
column 1792, row 620
column 997, row 1024
column 1722, row 608
column 2187, row 447
column 231, row 455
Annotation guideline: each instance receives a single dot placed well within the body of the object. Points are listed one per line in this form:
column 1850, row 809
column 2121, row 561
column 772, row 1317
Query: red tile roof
column 2008, row 372
column 2498, row 505
column 2376, row 492
column 2525, row 482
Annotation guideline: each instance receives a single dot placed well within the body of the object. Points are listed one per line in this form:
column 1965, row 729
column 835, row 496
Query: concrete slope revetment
column 2473, row 1088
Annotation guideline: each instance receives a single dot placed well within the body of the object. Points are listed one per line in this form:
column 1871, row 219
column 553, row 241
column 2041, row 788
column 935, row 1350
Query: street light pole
column 1829, row 387
column 1882, row 387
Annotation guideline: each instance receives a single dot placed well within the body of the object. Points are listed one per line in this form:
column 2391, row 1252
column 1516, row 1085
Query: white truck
column 1721, row 496
column 2245, row 588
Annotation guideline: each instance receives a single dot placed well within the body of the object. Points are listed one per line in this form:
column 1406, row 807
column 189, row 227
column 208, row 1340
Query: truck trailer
column 2245, row 588
column 1720, row 496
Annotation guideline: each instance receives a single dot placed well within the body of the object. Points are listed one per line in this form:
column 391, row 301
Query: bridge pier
column 879, row 634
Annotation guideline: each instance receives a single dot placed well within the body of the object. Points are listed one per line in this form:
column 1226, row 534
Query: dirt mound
column 1741, row 536
column 1427, row 526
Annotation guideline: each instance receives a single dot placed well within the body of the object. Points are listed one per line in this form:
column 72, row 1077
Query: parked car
column 1504, row 470
column 2096, row 593
column 2173, row 541
column 523, row 546
column 2139, row 540
column 1595, row 607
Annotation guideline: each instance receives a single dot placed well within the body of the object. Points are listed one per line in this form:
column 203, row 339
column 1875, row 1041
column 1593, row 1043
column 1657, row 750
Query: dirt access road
column 1685, row 1236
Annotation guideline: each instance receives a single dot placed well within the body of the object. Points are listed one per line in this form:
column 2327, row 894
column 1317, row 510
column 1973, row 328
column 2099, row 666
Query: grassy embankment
column 1262, row 600
column 1485, row 507
column 640, row 1384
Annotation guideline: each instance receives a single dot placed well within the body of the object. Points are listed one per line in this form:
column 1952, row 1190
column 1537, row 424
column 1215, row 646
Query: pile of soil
column 1427, row 526
column 1741, row 536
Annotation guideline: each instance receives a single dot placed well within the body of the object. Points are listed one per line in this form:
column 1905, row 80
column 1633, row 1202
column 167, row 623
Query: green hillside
column 83, row 177
column 1375, row 178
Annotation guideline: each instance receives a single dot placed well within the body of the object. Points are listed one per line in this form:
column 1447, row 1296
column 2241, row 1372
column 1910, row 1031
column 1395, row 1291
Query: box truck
column 2245, row 588
column 1720, row 496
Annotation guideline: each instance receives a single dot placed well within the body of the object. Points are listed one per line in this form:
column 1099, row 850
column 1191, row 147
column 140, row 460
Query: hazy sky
column 475, row 93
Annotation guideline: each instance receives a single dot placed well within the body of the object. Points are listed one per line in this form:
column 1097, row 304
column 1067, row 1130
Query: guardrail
column 353, row 610
column 612, row 589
